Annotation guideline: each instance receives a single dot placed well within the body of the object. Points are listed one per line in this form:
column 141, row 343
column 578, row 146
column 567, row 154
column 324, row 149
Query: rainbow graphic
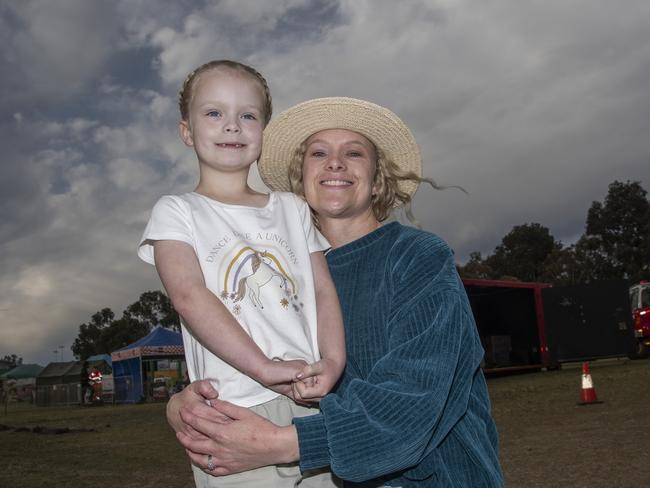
column 237, row 266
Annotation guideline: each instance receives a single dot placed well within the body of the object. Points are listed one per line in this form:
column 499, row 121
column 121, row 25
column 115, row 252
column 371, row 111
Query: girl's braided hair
column 186, row 93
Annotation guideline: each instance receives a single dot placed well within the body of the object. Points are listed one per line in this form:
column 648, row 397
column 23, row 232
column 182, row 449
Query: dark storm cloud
column 533, row 107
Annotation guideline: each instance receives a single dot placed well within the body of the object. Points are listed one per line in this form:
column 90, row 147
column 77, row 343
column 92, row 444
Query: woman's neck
column 342, row 231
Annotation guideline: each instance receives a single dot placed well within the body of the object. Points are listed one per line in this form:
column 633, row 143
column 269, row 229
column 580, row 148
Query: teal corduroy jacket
column 412, row 407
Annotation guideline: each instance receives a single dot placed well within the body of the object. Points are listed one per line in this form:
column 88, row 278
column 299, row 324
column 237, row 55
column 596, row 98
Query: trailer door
column 588, row 321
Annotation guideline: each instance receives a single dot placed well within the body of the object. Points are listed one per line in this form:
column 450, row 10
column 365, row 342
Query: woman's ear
column 186, row 133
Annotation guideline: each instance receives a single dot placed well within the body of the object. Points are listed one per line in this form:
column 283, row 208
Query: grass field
column 546, row 439
column 549, row 441
column 132, row 447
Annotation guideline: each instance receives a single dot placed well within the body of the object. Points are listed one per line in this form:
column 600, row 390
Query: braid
column 185, row 95
column 268, row 102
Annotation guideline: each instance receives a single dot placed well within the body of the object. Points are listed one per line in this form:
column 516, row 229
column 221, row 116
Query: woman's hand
column 245, row 441
column 195, row 398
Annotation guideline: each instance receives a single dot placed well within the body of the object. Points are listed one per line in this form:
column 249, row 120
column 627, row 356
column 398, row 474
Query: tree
column 523, row 252
column 13, row 360
column 476, row 268
column 563, row 267
column 89, row 341
column 105, row 334
column 154, row 308
column 123, row 332
column 616, row 243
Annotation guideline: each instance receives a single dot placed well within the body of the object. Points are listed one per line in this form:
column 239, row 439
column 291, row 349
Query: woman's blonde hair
column 187, row 91
column 387, row 194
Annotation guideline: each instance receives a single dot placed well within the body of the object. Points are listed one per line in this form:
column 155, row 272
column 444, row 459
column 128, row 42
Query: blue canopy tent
column 156, row 359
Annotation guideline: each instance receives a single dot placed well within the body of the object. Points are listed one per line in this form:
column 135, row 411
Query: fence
column 62, row 394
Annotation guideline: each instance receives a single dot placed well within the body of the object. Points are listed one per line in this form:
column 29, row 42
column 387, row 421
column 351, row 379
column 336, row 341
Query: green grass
column 132, row 447
column 546, row 440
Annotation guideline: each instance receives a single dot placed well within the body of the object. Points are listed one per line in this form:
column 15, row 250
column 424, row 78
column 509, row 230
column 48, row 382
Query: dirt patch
column 39, row 429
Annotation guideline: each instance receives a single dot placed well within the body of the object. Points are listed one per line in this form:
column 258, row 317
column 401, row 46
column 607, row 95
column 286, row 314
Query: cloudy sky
column 533, row 107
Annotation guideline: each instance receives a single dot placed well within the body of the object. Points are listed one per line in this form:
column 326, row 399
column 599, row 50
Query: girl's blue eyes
column 216, row 113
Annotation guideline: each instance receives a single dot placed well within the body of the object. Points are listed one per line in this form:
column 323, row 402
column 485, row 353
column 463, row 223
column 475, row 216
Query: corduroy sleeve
column 312, row 442
column 417, row 391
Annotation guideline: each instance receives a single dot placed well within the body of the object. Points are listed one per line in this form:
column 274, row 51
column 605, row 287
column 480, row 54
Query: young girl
column 244, row 269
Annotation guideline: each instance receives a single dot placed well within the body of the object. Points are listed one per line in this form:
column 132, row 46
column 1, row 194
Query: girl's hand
column 280, row 375
column 315, row 381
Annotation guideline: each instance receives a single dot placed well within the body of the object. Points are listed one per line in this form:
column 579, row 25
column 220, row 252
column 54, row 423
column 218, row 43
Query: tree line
column 11, row 360
column 615, row 245
column 104, row 333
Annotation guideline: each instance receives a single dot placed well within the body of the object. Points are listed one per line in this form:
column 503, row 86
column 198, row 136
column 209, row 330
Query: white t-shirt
column 256, row 260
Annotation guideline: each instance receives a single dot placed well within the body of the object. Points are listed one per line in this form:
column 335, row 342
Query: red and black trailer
column 529, row 325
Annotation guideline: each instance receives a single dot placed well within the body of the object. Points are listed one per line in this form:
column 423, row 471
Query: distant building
column 5, row 366
column 60, row 383
column 20, row 382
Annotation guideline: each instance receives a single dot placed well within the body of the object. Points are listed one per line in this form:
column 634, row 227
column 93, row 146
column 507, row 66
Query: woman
column 412, row 408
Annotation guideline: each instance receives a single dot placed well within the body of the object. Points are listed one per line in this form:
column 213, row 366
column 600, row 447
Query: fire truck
column 640, row 301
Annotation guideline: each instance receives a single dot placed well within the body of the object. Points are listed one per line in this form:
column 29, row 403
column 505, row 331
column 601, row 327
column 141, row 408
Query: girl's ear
column 186, row 133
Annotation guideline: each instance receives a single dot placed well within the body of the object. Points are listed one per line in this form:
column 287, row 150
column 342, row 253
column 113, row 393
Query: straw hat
column 284, row 135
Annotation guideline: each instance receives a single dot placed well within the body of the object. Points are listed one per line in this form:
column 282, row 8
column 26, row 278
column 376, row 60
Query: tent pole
column 142, row 382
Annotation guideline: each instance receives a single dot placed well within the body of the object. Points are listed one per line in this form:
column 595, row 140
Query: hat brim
column 285, row 133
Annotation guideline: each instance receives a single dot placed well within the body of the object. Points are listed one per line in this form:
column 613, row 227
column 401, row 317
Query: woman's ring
column 210, row 466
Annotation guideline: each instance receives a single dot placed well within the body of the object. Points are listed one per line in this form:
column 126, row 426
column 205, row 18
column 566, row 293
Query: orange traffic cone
column 588, row 392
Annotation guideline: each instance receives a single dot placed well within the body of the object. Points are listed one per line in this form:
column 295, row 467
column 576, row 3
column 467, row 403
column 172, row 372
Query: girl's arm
column 319, row 378
column 211, row 322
